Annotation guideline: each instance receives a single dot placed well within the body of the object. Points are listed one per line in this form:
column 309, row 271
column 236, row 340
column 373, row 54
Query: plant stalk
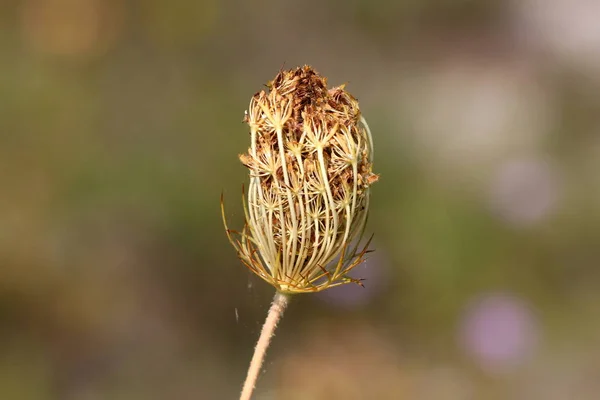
column 280, row 302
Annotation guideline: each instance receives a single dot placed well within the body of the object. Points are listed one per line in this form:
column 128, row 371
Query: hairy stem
column 278, row 306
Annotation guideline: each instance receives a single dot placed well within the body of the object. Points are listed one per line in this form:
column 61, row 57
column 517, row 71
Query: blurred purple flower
column 498, row 331
column 524, row 192
column 348, row 296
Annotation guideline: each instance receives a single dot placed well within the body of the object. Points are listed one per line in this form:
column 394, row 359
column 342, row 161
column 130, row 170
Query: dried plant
column 310, row 162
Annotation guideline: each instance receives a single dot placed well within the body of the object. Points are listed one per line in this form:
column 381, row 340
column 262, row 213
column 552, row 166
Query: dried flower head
column 310, row 162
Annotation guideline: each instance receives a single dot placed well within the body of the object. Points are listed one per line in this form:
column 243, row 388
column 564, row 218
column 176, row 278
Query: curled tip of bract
column 310, row 165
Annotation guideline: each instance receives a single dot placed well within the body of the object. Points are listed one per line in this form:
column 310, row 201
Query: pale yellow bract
column 310, row 164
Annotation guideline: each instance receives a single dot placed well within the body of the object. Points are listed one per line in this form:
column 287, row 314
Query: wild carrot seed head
column 310, row 165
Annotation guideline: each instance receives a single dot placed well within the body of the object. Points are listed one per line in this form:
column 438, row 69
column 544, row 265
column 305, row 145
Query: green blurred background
column 120, row 125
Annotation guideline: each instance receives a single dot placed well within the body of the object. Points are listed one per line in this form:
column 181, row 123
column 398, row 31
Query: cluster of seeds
column 310, row 165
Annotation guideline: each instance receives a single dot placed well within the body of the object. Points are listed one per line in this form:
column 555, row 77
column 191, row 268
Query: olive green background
column 120, row 126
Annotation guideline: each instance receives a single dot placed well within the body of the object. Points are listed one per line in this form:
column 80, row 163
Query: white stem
column 278, row 306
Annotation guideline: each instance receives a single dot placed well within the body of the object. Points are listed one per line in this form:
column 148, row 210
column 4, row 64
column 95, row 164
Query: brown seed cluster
column 310, row 164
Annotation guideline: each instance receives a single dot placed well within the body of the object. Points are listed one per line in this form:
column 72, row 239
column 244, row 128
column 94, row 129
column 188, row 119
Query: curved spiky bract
column 310, row 163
